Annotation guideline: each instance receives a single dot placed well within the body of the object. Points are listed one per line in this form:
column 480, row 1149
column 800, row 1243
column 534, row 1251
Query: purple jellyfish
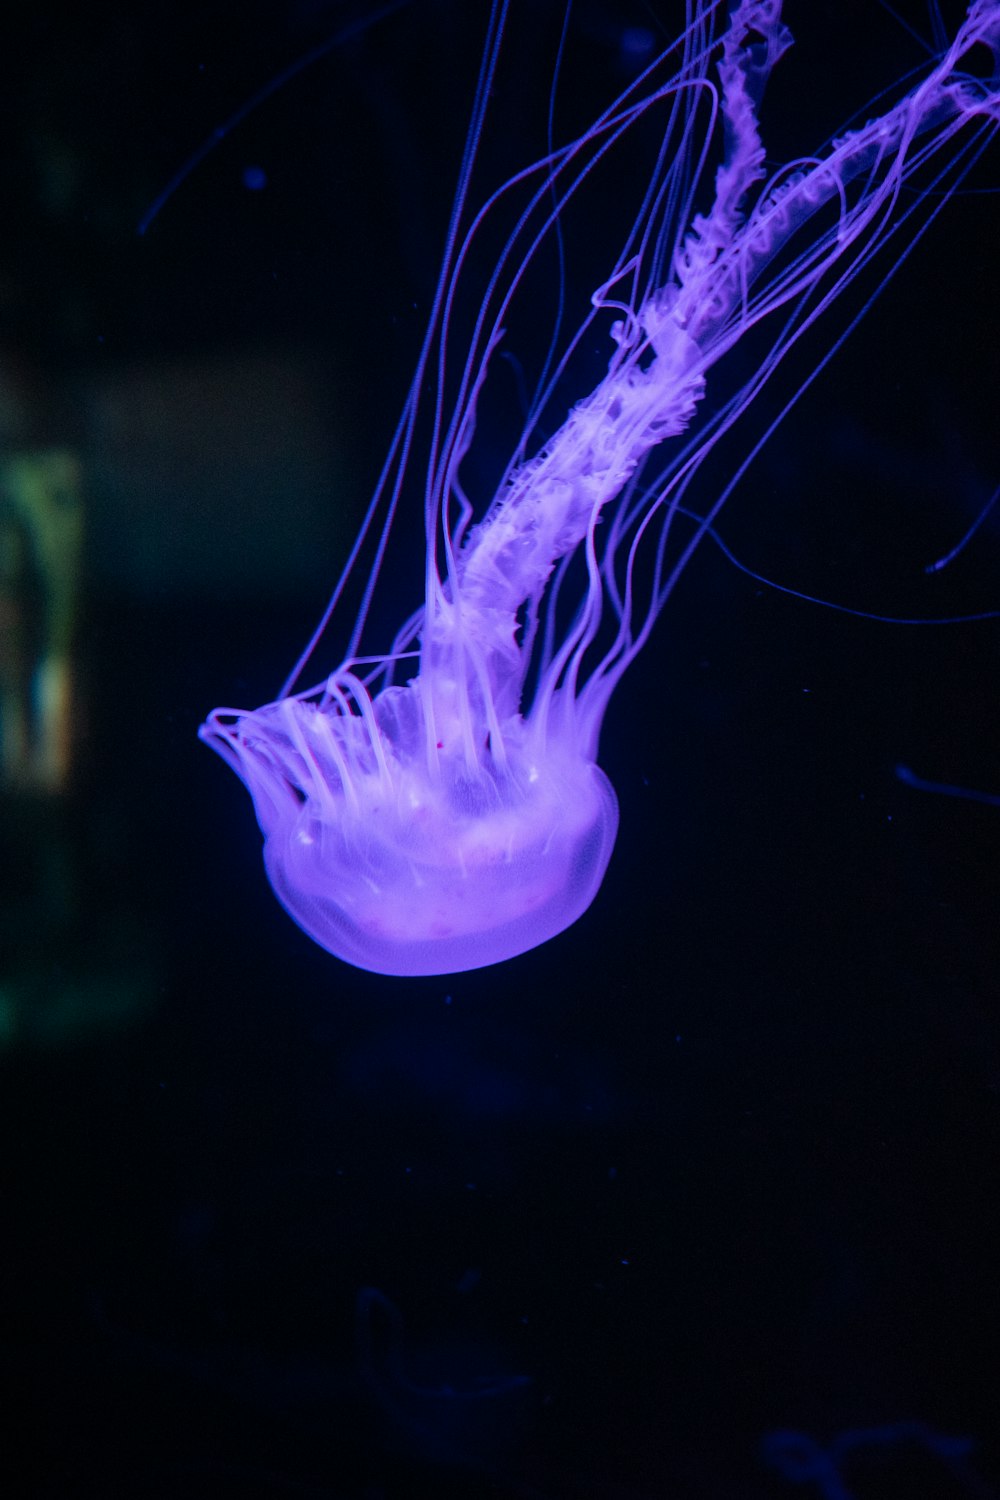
column 438, row 806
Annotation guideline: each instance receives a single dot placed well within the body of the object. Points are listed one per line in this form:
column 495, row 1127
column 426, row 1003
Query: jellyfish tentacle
column 552, row 501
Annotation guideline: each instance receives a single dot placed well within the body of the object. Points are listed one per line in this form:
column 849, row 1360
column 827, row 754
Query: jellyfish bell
column 456, row 817
column 409, row 860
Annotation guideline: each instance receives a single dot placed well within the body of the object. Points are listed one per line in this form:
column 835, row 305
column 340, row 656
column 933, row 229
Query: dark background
column 721, row 1160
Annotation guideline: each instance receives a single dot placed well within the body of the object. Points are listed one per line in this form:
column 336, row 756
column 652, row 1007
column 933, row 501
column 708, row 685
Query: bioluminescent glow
column 439, row 806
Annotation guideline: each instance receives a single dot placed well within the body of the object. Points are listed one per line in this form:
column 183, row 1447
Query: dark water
column 717, row 1164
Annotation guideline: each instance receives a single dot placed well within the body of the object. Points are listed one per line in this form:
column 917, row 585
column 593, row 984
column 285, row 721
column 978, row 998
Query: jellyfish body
column 457, row 817
column 407, row 858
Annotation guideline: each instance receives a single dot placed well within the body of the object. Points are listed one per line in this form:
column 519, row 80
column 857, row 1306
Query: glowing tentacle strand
column 553, row 500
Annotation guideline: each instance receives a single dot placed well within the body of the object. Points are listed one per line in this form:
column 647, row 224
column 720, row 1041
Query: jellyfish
column 438, row 805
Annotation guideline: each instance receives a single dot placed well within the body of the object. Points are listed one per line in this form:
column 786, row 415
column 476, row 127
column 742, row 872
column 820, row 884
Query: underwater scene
column 549, row 450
